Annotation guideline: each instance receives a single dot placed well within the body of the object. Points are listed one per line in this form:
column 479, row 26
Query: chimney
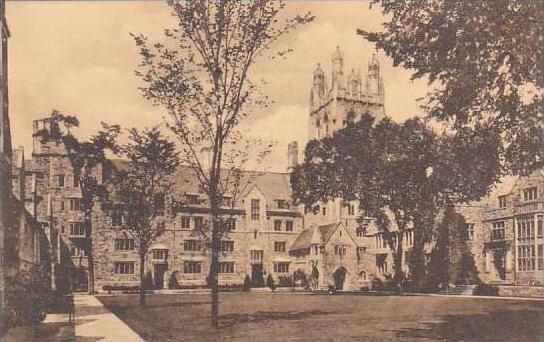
column 292, row 156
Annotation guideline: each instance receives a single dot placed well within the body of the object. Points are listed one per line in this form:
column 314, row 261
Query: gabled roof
column 273, row 185
column 324, row 232
column 303, row 240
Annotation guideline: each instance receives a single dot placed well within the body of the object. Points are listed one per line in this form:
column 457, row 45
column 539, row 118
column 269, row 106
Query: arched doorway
column 339, row 278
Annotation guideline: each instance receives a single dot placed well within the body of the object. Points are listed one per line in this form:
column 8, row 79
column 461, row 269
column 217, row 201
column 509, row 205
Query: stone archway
column 339, row 278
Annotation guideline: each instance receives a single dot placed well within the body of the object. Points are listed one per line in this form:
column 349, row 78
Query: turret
column 337, row 70
column 292, row 155
column 374, row 83
column 39, row 144
column 318, row 87
column 354, row 84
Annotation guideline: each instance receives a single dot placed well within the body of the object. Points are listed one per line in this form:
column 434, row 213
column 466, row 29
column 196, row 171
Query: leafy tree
column 401, row 172
column 484, row 61
column 85, row 157
column 141, row 186
column 201, row 75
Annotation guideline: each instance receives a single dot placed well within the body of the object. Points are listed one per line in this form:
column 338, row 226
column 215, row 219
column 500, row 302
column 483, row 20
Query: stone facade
column 344, row 100
column 23, row 243
column 269, row 235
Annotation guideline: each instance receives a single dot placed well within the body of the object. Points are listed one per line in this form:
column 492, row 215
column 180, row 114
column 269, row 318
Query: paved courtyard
column 303, row 317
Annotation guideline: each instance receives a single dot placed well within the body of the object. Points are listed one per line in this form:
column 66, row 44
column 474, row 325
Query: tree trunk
column 397, row 260
column 142, row 279
column 213, row 275
column 90, row 259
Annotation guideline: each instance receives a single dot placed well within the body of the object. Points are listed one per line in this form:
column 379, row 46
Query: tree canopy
column 484, row 63
column 405, row 172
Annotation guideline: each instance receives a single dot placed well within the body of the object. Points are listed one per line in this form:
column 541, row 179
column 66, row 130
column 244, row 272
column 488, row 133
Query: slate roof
column 273, row 185
column 304, row 238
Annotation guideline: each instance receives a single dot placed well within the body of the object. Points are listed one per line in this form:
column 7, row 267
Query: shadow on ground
column 267, row 316
column 493, row 326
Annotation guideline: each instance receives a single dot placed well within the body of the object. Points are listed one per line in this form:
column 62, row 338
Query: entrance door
column 257, row 275
column 339, row 277
column 158, row 276
column 81, row 280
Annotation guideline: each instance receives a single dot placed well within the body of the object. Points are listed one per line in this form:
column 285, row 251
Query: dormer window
column 192, row 198
column 502, row 201
column 283, row 204
column 226, row 201
column 530, row 194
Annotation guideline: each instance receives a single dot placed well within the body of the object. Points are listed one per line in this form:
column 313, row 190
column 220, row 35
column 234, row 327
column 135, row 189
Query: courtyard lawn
column 286, row 317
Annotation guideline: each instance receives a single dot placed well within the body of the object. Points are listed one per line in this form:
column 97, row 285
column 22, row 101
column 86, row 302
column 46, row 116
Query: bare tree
column 200, row 74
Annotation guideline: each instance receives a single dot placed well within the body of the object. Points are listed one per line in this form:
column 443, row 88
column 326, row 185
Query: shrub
column 383, row 285
column 27, row 296
column 121, row 288
column 486, row 290
column 300, row 278
column 247, row 283
column 270, row 282
column 286, row 281
column 173, row 281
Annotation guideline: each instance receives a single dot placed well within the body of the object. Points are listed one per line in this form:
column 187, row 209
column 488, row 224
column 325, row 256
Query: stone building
column 23, row 242
column 269, row 235
column 345, row 99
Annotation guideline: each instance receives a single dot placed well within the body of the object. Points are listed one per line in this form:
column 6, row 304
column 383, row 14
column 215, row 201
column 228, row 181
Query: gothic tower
column 343, row 101
column 337, row 71
column 292, row 156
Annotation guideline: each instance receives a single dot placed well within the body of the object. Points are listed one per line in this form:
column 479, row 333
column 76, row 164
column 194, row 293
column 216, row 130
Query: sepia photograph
column 267, row 170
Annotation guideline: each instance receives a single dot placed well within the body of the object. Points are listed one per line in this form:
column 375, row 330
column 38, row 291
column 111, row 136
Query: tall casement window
column 256, row 255
column 526, row 234
column 75, row 181
column 76, row 229
column 530, row 194
column 230, row 224
column 497, row 230
column 191, row 267
column 124, row 267
column 227, row 246
column 226, row 267
column 160, row 254
column 469, row 231
column 540, row 257
column 185, row 222
column 192, row 245
column 539, row 225
column 279, row 246
column 502, row 201
column 277, row 225
column 124, row 244
column 59, row 180
column 339, row 250
column 281, row 267
column 381, row 263
column 288, row 226
column 199, row 222
column 75, row 204
column 255, row 209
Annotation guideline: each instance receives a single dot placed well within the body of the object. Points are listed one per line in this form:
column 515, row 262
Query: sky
column 78, row 57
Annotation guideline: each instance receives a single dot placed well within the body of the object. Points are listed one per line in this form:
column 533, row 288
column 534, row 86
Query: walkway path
column 94, row 322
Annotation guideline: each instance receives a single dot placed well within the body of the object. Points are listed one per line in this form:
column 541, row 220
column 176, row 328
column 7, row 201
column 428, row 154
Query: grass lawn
column 297, row 317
